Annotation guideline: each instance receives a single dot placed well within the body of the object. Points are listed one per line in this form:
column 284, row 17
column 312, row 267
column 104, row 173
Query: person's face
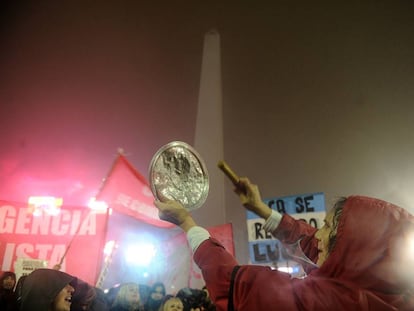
column 322, row 235
column 63, row 300
column 8, row 282
column 158, row 293
column 132, row 294
column 173, row 305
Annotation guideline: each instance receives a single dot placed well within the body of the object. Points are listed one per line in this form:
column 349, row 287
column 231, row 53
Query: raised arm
column 251, row 199
column 174, row 212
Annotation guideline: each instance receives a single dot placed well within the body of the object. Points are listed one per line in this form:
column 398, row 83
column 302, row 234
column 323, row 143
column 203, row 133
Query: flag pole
column 100, row 266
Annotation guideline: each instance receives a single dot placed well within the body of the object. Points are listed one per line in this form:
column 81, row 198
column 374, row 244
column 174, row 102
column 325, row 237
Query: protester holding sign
column 362, row 253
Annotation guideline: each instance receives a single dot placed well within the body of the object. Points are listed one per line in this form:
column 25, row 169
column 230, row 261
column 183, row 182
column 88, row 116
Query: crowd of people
column 54, row 290
column 362, row 259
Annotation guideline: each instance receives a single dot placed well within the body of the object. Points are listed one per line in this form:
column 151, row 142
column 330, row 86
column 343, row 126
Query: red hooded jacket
column 368, row 269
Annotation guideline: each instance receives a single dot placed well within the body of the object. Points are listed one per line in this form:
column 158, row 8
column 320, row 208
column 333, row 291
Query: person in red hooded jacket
column 362, row 253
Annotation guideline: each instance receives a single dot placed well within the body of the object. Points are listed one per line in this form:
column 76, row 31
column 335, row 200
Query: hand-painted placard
column 264, row 249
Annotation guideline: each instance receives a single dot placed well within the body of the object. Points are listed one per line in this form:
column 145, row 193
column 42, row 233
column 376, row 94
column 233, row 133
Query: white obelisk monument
column 209, row 131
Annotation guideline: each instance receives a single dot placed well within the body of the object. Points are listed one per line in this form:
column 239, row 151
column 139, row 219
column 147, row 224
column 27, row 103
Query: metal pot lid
column 177, row 172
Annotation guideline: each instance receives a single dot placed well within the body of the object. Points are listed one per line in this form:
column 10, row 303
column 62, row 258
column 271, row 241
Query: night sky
column 80, row 80
column 317, row 96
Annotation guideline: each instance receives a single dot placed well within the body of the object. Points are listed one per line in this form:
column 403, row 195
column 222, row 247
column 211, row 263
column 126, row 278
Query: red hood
column 374, row 255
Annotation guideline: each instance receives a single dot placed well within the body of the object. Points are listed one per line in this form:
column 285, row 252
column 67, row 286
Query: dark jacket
column 369, row 267
column 41, row 287
column 88, row 297
column 8, row 297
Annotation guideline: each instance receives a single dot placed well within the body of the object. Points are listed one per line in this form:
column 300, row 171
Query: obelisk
column 209, row 130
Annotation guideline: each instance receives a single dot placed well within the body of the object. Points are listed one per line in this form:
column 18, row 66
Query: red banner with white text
column 74, row 234
column 126, row 191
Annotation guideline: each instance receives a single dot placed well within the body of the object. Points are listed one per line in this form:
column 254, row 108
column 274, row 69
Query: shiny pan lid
column 177, row 172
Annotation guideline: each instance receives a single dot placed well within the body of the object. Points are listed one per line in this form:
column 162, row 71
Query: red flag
column 127, row 191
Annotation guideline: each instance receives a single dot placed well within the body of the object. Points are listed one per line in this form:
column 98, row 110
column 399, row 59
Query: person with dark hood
column 47, row 290
column 156, row 295
column 8, row 297
column 362, row 258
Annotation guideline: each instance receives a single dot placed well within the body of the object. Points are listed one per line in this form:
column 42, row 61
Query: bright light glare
column 109, row 247
column 47, row 204
column 140, row 254
column 410, row 246
column 285, row 269
column 97, row 205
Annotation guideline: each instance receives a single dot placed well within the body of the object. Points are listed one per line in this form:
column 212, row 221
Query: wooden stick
column 70, row 244
column 229, row 172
